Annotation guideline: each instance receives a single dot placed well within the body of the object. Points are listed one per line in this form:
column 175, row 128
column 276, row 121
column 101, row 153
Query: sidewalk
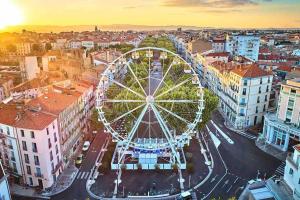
column 26, row 191
column 64, row 180
column 269, row 149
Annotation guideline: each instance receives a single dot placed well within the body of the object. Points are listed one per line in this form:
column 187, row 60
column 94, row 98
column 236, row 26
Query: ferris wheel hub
column 150, row 99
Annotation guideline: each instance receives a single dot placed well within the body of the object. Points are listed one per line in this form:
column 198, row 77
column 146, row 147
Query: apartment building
column 218, row 44
column 6, row 84
column 244, row 91
column 292, row 172
column 282, row 127
column 30, row 148
column 23, row 48
column 71, row 103
column 4, row 188
column 244, row 45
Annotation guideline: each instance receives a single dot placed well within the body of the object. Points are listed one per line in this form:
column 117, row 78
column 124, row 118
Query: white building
column 218, row 44
column 282, row 127
column 30, row 67
column 88, row 44
column 292, row 172
column 244, row 91
column 4, row 188
column 245, row 45
column 30, row 148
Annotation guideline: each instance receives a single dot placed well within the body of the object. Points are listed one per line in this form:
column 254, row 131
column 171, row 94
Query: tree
column 36, row 47
column 190, row 168
column 48, row 46
column 157, row 167
column 175, row 168
column 11, row 48
column 95, row 124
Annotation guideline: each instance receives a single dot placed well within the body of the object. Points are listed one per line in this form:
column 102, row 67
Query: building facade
column 243, row 45
column 244, row 92
column 283, row 127
column 4, row 188
column 292, row 172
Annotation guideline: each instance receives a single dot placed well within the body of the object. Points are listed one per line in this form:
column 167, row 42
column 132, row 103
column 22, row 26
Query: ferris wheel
column 150, row 100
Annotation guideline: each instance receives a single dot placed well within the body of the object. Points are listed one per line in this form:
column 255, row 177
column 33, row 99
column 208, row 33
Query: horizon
column 237, row 14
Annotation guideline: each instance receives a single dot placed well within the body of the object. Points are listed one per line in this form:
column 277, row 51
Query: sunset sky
column 203, row 13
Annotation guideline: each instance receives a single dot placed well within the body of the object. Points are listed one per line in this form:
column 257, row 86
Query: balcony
column 289, row 158
column 57, row 167
column 242, row 103
column 39, row 175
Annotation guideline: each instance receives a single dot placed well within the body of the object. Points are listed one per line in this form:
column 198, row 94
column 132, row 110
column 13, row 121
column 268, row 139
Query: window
column 32, row 134
column 268, row 79
column 259, row 90
column 267, row 90
column 53, row 126
column 260, row 81
column 258, row 100
column 24, row 145
column 244, row 91
column 52, row 166
column 49, row 143
column 256, row 110
column 293, row 91
column 22, row 133
column 36, row 160
column 28, row 169
column 245, row 82
column 38, row 172
column 51, row 156
column 291, row 171
column 47, row 131
column 264, row 109
column 55, row 138
column 7, row 130
column 56, row 149
column 34, row 147
column 26, row 157
column 30, row 181
column 266, row 97
column 57, row 158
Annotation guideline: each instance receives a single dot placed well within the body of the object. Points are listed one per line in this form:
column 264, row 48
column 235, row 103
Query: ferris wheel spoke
column 162, row 80
column 129, row 89
column 174, row 87
column 137, row 80
column 133, row 130
column 172, row 113
column 176, row 101
column 125, row 114
column 166, row 131
column 123, row 101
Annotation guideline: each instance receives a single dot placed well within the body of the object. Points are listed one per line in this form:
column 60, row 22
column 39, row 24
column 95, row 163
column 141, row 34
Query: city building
column 243, row 90
column 6, row 84
column 243, row 44
column 282, row 127
column 30, row 148
column 29, row 67
column 23, row 48
column 4, row 187
column 218, row 44
column 292, row 172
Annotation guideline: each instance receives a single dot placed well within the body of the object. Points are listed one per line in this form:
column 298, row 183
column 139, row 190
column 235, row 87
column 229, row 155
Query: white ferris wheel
column 150, row 100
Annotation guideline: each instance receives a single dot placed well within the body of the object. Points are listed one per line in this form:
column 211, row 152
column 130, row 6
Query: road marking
column 78, row 175
column 225, row 183
column 229, row 189
column 230, row 141
column 235, row 180
column 215, row 140
column 213, row 179
column 87, row 174
column 82, row 175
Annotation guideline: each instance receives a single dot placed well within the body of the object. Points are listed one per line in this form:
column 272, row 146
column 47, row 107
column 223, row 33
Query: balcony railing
column 39, row 175
column 289, row 158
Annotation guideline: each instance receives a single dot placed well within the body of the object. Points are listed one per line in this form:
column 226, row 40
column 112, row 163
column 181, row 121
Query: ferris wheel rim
column 189, row 129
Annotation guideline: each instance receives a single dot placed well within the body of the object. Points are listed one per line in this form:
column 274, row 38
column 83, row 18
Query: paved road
column 77, row 190
column 241, row 159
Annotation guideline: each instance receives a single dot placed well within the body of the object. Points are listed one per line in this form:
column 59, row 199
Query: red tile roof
column 251, row 71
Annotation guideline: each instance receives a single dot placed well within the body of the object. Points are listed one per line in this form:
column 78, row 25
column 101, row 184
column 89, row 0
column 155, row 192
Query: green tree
column 95, row 124
column 36, row 47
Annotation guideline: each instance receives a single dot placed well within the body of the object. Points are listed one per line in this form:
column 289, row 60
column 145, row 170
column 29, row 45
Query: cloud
column 212, row 3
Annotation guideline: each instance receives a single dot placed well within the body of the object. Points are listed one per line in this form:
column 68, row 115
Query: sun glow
column 10, row 14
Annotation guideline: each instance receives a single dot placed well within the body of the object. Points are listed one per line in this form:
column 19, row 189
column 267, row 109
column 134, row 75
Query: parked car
column 86, row 146
column 79, row 159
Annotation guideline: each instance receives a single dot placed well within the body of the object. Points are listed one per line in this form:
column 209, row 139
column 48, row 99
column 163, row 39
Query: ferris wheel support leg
column 131, row 134
column 175, row 155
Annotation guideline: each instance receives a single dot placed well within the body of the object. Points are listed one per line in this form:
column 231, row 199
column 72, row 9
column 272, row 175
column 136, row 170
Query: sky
column 202, row 13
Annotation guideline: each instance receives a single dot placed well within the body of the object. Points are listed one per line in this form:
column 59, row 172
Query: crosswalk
column 280, row 170
column 82, row 175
